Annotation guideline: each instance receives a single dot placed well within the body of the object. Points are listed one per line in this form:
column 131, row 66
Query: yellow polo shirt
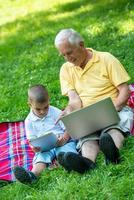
column 98, row 80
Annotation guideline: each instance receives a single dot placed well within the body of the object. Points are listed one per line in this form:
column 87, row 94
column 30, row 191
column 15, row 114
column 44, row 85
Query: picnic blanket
column 14, row 149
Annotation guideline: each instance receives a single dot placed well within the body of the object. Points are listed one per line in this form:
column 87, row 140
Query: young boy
column 42, row 117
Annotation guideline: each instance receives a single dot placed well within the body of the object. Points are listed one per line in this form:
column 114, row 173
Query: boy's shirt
column 36, row 126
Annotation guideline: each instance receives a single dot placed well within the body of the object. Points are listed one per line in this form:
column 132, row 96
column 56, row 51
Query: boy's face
column 39, row 109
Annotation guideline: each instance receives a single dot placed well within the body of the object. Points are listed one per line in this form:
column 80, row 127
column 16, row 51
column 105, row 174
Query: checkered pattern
column 131, row 102
column 131, row 98
column 14, row 149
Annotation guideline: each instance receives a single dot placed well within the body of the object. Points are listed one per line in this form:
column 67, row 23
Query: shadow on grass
column 37, row 30
column 28, row 55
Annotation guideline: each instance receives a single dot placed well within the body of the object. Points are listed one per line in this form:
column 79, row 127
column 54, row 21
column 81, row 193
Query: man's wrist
column 69, row 108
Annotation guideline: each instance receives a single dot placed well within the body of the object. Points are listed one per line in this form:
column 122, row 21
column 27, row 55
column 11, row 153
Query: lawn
column 28, row 57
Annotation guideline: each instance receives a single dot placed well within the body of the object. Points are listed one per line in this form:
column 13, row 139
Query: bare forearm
column 74, row 104
column 122, row 97
column 74, row 101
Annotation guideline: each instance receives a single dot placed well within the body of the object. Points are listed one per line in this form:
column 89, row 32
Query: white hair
column 69, row 35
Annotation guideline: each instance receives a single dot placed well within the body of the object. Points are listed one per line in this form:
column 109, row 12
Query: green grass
column 28, row 56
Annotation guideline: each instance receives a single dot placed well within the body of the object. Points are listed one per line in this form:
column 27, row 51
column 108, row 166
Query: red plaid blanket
column 14, row 149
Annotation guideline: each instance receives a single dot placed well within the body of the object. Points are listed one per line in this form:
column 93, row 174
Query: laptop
column 90, row 119
column 46, row 141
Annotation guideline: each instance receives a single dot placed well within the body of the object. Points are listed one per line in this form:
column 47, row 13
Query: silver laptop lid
column 91, row 118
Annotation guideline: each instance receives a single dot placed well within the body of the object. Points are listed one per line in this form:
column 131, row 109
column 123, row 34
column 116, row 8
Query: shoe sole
column 61, row 160
column 22, row 175
column 109, row 149
column 75, row 162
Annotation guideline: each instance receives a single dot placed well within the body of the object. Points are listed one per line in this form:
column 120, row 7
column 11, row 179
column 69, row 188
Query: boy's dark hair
column 38, row 93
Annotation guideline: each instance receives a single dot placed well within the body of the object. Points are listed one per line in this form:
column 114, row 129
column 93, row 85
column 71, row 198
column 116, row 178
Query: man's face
column 39, row 109
column 72, row 53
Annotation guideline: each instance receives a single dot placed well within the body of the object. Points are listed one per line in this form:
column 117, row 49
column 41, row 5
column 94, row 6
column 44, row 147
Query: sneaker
column 61, row 161
column 23, row 176
column 109, row 149
column 72, row 161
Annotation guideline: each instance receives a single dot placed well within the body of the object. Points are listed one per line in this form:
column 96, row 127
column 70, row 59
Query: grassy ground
column 28, row 56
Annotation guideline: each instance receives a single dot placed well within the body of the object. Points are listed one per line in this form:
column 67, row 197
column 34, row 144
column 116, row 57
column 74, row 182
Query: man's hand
column 118, row 107
column 66, row 111
column 74, row 104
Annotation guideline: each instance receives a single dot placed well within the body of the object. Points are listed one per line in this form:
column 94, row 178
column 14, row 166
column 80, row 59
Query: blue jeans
column 47, row 157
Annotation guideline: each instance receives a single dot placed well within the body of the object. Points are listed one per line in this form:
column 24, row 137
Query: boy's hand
column 61, row 141
column 35, row 149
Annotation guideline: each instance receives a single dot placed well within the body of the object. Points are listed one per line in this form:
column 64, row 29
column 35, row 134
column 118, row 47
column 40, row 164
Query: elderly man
column 87, row 77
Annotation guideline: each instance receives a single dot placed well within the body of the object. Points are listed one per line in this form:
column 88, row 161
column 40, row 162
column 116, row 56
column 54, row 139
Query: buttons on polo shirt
column 42, row 123
column 79, row 68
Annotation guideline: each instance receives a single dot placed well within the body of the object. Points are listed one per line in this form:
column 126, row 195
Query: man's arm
column 122, row 97
column 74, row 102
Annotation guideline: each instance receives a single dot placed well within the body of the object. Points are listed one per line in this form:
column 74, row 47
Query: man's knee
column 90, row 149
column 116, row 134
